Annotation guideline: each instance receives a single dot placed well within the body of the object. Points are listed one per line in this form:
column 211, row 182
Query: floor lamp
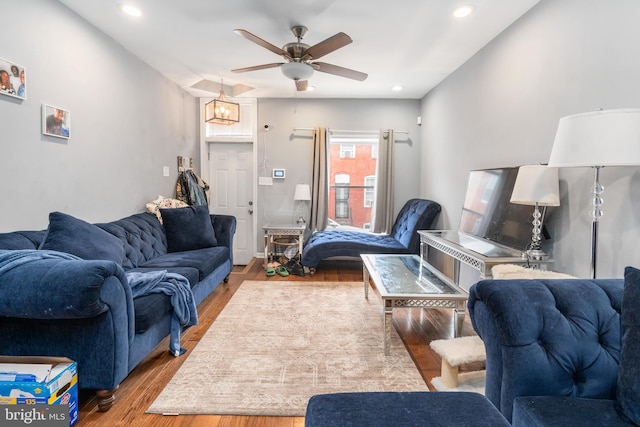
column 597, row 139
column 536, row 185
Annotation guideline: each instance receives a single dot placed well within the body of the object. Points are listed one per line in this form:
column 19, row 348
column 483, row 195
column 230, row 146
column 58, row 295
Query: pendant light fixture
column 221, row 111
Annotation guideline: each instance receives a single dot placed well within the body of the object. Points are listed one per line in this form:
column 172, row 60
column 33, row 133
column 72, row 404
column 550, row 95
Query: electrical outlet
column 165, row 171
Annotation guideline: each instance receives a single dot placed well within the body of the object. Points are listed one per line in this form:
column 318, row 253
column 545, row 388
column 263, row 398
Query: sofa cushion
column 188, row 228
column 149, row 309
column 335, row 243
column 205, row 260
column 21, row 240
column 406, row 409
column 628, row 391
column 565, row 411
column 77, row 237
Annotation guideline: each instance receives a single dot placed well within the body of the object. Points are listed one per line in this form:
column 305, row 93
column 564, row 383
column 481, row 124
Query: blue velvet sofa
column 561, row 352
column 416, row 214
column 84, row 309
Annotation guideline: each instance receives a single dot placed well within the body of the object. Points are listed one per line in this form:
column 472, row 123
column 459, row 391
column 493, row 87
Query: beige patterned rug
column 276, row 344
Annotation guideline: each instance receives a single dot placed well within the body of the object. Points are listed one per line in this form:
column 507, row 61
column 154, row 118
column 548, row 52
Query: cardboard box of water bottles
column 38, row 380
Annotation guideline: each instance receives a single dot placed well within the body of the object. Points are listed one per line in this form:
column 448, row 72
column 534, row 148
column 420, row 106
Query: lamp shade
column 536, row 184
column 297, row 70
column 303, row 192
column 598, row 138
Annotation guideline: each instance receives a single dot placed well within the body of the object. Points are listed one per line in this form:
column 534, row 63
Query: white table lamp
column 597, row 139
column 536, row 185
column 302, row 194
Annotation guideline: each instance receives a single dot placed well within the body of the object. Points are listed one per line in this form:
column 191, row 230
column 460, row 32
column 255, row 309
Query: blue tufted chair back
column 416, row 214
column 548, row 337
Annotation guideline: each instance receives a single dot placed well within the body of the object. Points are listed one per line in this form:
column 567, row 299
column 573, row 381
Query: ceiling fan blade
column 257, row 40
column 257, row 67
column 301, row 85
column 334, row 42
column 339, row 71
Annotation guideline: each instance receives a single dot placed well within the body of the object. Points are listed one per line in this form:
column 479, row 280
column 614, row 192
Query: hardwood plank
column 416, row 327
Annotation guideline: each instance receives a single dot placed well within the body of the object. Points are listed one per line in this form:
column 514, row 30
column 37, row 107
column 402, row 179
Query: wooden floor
column 417, row 327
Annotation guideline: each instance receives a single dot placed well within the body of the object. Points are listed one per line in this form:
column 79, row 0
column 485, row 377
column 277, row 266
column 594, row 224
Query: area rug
column 277, row 343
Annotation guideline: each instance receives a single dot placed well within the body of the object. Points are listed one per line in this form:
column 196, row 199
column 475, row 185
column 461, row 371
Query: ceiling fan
column 300, row 57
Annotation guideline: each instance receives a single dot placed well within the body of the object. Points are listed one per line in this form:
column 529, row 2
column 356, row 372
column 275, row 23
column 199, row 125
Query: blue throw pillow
column 628, row 391
column 188, row 228
column 77, row 237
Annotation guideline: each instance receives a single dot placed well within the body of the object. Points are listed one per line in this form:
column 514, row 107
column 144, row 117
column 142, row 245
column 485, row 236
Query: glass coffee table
column 408, row 281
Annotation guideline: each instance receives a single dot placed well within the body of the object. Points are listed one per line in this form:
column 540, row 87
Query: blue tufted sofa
column 84, row 309
column 554, row 349
column 416, row 214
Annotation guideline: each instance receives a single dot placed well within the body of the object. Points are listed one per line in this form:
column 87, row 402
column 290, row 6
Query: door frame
column 252, row 107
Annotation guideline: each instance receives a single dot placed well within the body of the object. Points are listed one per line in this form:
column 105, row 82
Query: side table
column 273, row 232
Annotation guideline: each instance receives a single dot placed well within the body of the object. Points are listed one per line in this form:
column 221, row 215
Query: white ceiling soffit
column 411, row 43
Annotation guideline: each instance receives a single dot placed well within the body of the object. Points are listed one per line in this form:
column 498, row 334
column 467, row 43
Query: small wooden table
column 408, row 281
column 273, row 232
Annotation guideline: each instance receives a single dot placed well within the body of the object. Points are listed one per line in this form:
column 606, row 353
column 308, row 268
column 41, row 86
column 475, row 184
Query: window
column 342, row 196
column 369, row 185
column 352, row 176
column 347, row 151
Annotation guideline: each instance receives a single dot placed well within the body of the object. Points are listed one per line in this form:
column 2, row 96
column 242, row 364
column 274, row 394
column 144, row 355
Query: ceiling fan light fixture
column 297, row 70
column 221, row 111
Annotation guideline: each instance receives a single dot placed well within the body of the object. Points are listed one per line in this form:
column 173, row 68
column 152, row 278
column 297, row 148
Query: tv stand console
column 480, row 254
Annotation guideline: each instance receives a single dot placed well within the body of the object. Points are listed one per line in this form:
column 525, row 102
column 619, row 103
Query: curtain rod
column 348, row 131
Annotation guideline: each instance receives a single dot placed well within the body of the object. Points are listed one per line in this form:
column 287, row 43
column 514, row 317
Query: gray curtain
column 383, row 208
column 319, row 181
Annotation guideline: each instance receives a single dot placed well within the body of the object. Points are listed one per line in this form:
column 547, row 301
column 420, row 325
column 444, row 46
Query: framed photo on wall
column 12, row 79
column 56, row 121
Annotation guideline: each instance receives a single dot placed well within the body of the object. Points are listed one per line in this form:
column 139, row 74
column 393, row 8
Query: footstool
column 454, row 353
column 406, row 409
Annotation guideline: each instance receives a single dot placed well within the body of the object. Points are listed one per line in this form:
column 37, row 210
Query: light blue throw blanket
column 175, row 285
column 11, row 259
column 172, row 284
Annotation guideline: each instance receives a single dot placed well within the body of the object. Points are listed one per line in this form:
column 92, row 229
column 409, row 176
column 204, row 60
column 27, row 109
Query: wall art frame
column 56, row 121
column 13, row 81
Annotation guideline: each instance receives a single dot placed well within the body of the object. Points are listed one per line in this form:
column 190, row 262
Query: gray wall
column 283, row 148
column 502, row 108
column 127, row 122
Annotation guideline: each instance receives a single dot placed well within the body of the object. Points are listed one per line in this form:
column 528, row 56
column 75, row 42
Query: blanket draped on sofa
column 172, row 284
column 175, row 285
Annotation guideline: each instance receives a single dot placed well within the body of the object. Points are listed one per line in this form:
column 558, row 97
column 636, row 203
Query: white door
column 231, row 175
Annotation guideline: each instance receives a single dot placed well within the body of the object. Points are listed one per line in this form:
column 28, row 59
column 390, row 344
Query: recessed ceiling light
column 463, row 11
column 310, row 88
column 397, row 88
column 130, row 10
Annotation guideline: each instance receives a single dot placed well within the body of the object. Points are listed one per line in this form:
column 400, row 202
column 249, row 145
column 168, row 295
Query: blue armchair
column 416, row 214
column 553, row 349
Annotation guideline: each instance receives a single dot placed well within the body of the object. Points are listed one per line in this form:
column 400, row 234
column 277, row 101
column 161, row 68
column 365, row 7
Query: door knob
column 250, row 211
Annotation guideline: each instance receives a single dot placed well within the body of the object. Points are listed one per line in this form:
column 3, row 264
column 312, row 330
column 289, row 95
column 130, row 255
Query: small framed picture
column 12, row 79
column 56, row 121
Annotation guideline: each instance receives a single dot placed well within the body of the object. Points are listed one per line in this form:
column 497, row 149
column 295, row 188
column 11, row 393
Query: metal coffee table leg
column 388, row 324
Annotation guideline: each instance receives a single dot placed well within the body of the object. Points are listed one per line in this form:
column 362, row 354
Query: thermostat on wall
column 278, row 173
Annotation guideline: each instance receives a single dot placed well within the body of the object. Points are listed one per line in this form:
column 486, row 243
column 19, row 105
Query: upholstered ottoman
column 406, row 409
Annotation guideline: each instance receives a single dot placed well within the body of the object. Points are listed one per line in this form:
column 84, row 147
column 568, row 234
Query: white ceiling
column 412, row 43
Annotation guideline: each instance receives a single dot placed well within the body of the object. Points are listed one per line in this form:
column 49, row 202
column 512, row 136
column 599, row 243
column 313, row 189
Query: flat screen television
column 487, row 212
